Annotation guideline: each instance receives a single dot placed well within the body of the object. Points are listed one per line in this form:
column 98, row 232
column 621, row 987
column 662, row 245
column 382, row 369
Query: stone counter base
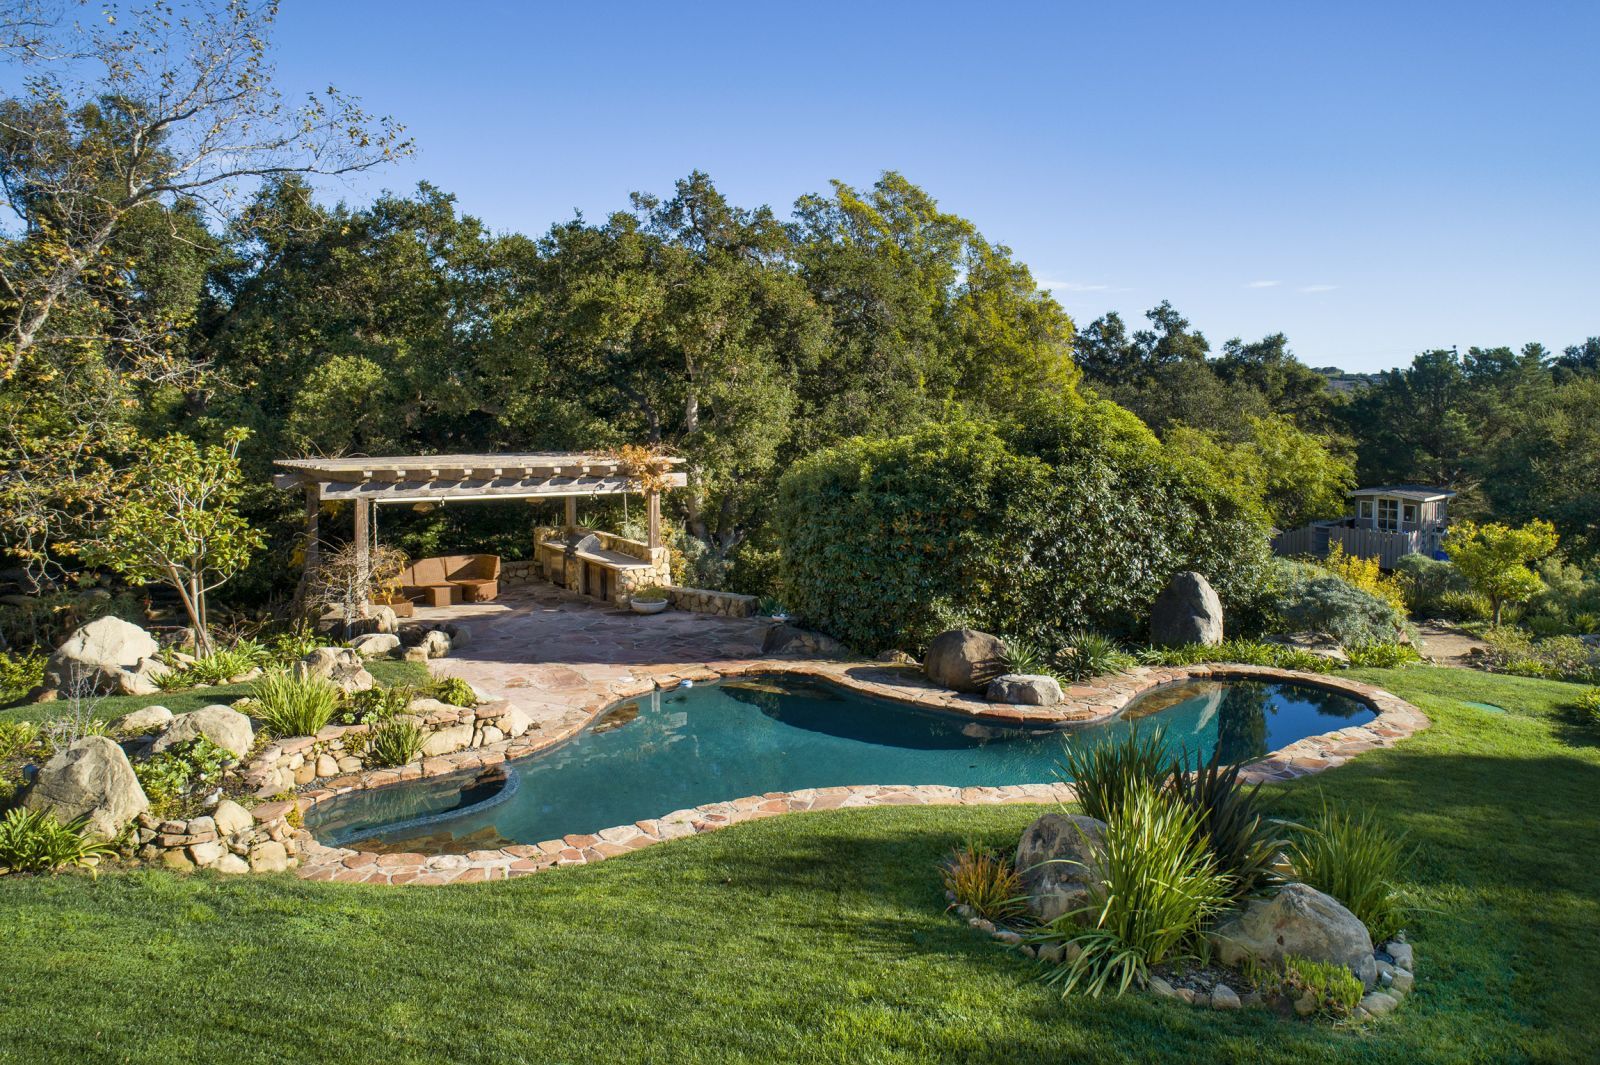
column 562, row 714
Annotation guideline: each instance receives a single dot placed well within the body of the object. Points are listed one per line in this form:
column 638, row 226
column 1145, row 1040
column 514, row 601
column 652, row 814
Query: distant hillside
column 1344, row 381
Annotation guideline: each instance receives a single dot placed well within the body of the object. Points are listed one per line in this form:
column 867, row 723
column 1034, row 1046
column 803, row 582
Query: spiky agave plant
column 1233, row 819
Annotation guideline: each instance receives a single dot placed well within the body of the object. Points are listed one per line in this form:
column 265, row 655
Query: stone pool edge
column 1092, row 701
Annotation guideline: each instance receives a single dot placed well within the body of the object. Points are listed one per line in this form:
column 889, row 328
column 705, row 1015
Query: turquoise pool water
column 712, row 742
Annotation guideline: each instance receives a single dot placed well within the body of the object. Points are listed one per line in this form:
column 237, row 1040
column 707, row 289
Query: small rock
column 1402, row 955
column 268, row 857
column 965, row 911
column 1005, row 935
column 146, row 720
column 1403, row 982
column 231, row 818
column 435, row 643
column 1306, row 1004
column 177, row 861
column 1223, row 997
column 1183, row 994
column 327, row 766
column 1027, row 951
column 1051, row 952
column 1379, row 1003
column 1028, row 689
column 982, row 925
column 1161, row 987
column 204, row 854
column 375, row 644
column 230, row 864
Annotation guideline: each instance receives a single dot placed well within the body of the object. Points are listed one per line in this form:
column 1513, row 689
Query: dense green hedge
column 1073, row 518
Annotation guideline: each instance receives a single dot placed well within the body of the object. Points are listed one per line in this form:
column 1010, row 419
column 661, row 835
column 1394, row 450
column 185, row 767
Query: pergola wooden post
column 313, row 535
column 653, row 510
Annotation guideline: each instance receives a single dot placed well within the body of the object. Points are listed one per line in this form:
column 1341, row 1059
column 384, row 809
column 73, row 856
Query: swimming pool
column 670, row 750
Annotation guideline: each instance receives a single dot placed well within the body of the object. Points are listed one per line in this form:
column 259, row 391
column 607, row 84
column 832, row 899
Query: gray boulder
column 91, row 778
column 965, row 660
column 222, row 725
column 1029, row 689
column 793, row 640
column 98, row 654
column 1187, row 611
column 435, row 643
column 149, row 719
column 1301, row 921
column 375, row 644
column 340, row 665
column 1058, row 859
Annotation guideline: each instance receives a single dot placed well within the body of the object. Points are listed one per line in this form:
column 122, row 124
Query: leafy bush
column 394, row 743
column 374, row 705
column 1161, row 884
column 1245, row 652
column 1588, row 704
column 1328, row 604
column 1334, row 990
column 1243, row 840
column 455, row 691
column 1022, row 656
column 1104, row 774
column 1464, row 606
column 293, row 706
column 1365, row 574
column 33, row 841
column 1079, row 515
column 1382, row 655
column 1569, row 603
column 15, row 736
column 986, row 881
column 1354, row 858
column 20, row 673
column 1556, row 657
column 1426, row 582
column 218, row 667
column 1089, row 654
column 184, row 771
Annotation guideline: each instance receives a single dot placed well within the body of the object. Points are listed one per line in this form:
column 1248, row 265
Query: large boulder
column 792, row 640
column 340, row 665
column 148, row 719
column 1301, row 921
column 99, row 654
column 1058, row 859
column 375, row 644
column 91, row 778
column 1187, row 611
column 964, row 659
column 222, row 725
column 1029, row 689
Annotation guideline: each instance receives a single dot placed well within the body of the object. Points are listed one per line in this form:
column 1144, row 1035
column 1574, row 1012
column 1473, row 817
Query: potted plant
column 648, row 599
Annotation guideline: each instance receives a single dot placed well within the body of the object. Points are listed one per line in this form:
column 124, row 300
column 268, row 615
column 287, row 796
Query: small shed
column 1386, row 522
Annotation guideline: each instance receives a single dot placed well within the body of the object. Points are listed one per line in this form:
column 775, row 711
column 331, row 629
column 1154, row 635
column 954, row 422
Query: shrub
column 394, row 743
column 1588, row 705
column 1079, row 515
column 1354, row 858
column 1426, row 582
column 15, row 737
column 184, row 771
column 1161, row 884
column 986, row 881
column 1237, row 831
column 1105, row 773
column 1365, row 574
column 455, row 691
column 33, row 841
column 1464, row 606
column 374, row 705
column 1089, row 654
column 218, row 667
column 20, row 673
column 292, row 706
column 1556, row 657
column 1327, row 604
column 1022, row 656
column 1245, row 652
column 1382, row 655
column 1334, row 990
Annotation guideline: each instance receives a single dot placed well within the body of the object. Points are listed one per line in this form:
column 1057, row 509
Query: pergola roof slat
column 443, row 477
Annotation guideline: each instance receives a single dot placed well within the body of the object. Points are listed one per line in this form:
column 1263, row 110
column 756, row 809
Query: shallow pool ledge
column 1092, row 700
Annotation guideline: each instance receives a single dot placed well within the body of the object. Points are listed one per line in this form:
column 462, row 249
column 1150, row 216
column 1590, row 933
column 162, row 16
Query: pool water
column 713, row 742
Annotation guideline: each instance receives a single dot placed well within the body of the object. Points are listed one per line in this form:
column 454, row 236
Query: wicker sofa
column 452, row 579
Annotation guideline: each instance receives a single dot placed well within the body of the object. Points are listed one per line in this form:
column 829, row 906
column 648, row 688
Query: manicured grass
column 387, row 672
column 819, row 937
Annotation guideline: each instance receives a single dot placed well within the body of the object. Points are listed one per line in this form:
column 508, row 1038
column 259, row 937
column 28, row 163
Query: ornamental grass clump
column 394, row 743
column 1232, row 817
column 1106, row 773
column 1160, row 884
column 1354, row 858
column 33, row 841
column 986, row 881
column 295, row 706
column 1089, row 654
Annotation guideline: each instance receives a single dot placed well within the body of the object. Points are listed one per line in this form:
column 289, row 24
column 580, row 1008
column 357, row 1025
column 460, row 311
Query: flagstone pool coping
column 572, row 707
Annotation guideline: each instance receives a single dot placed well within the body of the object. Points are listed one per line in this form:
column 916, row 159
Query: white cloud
column 1318, row 288
column 1263, row 284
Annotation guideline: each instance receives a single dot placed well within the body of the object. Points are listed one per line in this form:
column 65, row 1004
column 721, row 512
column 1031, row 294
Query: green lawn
column 387, row 672
column 819, row 937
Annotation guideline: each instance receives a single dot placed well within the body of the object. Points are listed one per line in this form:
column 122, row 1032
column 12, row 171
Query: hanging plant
column 646, row 466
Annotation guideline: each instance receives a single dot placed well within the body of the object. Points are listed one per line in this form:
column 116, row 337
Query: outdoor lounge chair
column 452, row 579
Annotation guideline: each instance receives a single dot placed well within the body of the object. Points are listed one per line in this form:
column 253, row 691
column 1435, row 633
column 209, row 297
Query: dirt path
column 1445, row 645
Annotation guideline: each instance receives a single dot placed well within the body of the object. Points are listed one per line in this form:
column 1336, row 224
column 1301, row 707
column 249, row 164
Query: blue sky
column 1371, row 179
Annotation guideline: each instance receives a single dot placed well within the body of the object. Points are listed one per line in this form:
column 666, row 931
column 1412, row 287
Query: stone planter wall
column 291, row 763
column 230, row 839
column 702, row 601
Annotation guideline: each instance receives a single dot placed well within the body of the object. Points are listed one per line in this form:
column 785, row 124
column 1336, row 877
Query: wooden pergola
column 369, row 482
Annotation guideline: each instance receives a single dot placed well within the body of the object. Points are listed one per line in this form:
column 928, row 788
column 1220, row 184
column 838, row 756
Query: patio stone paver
column 564, row 658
